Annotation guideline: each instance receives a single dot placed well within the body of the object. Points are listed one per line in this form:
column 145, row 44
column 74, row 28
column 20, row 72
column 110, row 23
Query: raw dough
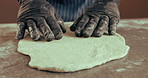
column 72, row 53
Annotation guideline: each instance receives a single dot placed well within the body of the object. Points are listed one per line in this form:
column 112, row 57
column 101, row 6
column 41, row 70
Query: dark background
column 128, row 8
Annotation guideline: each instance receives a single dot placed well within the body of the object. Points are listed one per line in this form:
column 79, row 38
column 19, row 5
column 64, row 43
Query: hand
column 39, row 16
column 99, row 18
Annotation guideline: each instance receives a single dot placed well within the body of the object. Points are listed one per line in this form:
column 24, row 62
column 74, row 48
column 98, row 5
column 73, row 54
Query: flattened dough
column 72, row 53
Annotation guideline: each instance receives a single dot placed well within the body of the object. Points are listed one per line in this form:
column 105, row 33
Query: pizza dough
column 72, row 53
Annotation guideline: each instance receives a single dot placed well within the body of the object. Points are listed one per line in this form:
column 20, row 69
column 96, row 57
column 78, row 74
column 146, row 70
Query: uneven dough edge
column 69, row 68
column 77, row 69
column 52, row 69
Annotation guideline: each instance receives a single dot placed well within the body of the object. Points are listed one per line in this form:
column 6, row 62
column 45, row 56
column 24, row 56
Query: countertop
column 134, row 65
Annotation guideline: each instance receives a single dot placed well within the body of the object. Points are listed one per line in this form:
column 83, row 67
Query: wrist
column 26, row 1
column 104, row 2
column 104, row 7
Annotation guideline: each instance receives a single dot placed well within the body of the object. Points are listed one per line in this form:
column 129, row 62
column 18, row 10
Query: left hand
column 99, row 18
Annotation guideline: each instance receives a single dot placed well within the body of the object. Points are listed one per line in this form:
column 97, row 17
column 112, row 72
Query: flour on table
column 72, row 53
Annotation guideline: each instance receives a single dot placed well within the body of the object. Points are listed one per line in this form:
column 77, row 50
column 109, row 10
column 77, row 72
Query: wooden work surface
column 134, row 65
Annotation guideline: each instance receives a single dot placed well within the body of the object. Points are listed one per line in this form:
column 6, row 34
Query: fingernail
column 49, row 37
column 98, row 35
column 59, row 36
column 36, row 38
column 112, row 33
column 78, row 34
column 72, row 28
column 19, row 37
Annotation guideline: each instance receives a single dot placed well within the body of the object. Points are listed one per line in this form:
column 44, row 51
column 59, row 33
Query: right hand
column 39, row 16
column 100, row 18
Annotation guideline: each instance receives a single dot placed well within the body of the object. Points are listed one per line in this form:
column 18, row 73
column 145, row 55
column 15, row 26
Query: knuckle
column 85, row 33
column 105, row 17
column 92, row 23
column 104, row 22
column 101, row 29
column 21, row 25
column 40, row 19
column 30, row 21
column 42, row 25
column 114, row 20
column 82, row 21
column 84, row 18
column 90, row 27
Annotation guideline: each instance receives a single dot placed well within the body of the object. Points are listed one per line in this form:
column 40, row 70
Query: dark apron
column 70, row 9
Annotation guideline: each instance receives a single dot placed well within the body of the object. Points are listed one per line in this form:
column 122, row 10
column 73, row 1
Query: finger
column 32, row 28
column 88, row 30
column 102, row 26
column 113, row 26
column 55, row 27
column 21, row 30
column 60, row 22
column 63, row 28
column 45, row 29
column 80, row 26
column 73, row 27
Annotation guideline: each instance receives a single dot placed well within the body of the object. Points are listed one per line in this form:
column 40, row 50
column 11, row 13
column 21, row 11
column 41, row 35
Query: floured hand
column 39, row 16
column 101, row 17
